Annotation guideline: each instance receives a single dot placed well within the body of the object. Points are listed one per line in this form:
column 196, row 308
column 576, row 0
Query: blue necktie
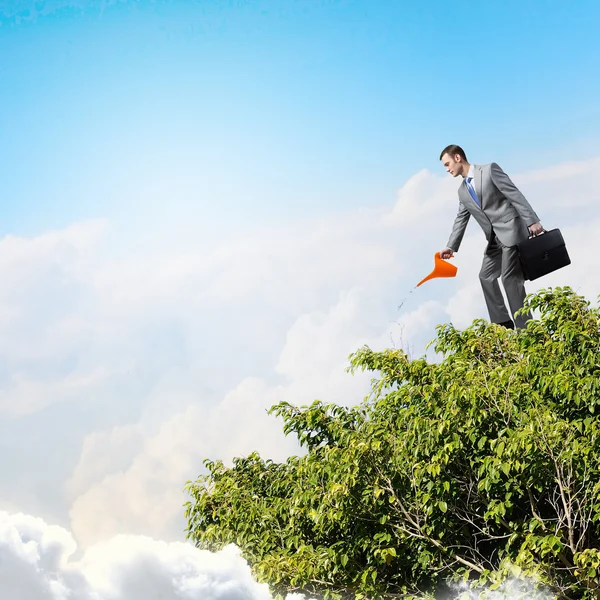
column 472, row 191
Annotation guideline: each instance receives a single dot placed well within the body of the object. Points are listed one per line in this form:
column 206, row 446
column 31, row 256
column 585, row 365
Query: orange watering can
column 441, row 268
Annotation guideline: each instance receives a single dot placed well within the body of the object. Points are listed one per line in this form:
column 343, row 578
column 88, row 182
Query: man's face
column 453, row 164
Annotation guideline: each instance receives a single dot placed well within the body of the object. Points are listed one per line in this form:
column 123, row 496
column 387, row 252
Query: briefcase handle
column 531, row 234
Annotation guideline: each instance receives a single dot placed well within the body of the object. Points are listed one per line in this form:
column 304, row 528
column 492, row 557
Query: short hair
column 452, row 150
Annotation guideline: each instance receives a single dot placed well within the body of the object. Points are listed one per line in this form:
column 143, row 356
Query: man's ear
column 458, row 158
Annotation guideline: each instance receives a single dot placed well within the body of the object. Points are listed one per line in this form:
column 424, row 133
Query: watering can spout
column 442, row 268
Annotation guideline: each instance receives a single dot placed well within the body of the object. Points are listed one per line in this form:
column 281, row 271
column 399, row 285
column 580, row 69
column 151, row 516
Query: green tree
column 485, row 462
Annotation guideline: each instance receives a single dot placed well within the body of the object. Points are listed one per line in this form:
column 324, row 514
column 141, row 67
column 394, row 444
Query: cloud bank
column 37, row 563
column 119, row 374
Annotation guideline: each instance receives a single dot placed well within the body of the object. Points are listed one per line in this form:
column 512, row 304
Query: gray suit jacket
column 504, row 210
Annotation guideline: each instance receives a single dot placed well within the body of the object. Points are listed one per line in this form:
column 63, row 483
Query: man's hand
column 536, row 229
column 447, row 253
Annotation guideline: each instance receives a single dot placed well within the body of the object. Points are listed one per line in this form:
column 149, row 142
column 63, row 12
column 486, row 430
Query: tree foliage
column 482, row 463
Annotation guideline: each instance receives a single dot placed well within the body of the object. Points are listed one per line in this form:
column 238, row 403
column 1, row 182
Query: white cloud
column 512, row 588
column 562, row 187
column 181, row 355
column 147, row 496
column 104, row 452
column 37, row 563
column 423, row 202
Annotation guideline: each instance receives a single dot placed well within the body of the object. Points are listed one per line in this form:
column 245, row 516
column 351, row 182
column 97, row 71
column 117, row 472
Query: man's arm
column 458, row 230
column 503, row 182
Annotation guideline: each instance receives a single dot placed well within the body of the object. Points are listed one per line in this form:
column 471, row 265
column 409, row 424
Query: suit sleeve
column 459, row 227
column 510, row 191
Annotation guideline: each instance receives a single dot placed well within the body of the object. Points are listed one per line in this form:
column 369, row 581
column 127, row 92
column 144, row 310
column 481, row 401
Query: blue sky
column 207, row 206
column 223, row 113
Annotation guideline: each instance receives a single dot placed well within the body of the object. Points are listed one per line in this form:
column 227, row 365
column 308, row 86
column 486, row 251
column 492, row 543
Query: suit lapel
column 479, row 183
column 465, row 192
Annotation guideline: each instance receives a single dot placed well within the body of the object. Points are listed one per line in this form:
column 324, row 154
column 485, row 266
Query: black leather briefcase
column 543, row 254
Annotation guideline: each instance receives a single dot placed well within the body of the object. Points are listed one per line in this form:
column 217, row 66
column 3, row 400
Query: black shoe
column 507, row 324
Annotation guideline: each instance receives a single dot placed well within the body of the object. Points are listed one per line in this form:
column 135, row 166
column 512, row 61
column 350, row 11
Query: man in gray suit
column 488, row 194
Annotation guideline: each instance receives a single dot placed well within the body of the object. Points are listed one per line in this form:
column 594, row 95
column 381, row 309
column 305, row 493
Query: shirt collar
column 471, row 172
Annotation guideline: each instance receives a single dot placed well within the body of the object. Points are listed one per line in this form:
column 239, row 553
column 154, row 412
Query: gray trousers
column 502, row 261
